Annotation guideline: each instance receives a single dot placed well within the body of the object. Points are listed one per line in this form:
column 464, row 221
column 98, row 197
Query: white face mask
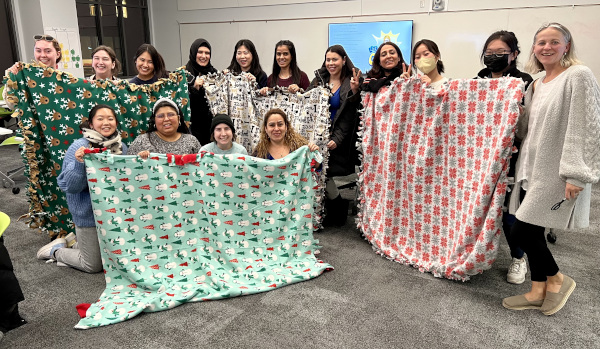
column 426, row 65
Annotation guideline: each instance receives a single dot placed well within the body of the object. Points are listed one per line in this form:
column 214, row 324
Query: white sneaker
column 44, row 252
column 71, row 239
column 517, row 271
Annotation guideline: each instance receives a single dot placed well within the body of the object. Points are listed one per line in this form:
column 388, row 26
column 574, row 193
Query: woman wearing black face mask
column 500, row 58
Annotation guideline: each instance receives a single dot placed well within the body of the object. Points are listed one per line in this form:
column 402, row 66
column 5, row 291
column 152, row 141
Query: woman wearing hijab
column 199, row 65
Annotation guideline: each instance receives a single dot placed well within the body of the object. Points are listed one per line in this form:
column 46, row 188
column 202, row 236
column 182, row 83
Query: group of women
column 555, row 134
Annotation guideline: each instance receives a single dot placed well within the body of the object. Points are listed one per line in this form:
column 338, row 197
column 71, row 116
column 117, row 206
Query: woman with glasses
column 149, row 65
column 46, row 51
column 105, row 63
column 245, row 59
column 167, row 133
column 558, row 163
column 500, row 58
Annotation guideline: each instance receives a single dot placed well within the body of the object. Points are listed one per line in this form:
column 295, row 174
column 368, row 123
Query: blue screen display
column 361, row 40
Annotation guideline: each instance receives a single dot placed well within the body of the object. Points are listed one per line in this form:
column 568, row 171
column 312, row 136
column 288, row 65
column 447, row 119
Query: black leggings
column 532, row 240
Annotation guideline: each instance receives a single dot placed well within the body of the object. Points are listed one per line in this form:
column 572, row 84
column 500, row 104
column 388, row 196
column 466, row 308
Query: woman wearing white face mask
column 427, row 59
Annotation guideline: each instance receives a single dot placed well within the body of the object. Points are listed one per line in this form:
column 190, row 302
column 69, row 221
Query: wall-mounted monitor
column 361, row 40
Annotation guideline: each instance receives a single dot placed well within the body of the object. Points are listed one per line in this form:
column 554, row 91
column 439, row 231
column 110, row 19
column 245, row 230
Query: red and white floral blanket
column 434, row 172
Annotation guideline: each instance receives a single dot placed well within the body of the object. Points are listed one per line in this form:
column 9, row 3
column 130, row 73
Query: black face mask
column 496, row 64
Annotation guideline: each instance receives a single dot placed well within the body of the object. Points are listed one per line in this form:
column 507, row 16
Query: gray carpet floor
column 366, row 302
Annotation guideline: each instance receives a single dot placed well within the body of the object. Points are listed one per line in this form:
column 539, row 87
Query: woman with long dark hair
column 388, row 64
column 343, row 79
column 198, row 66
column 245, row 59
column 149, row 65
column 286, row 72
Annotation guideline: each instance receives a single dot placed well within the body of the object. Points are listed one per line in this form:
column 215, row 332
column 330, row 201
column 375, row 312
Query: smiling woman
column 245, row 59
column 222, row 136
column 167, row 133
column 198, row 66
column 105, row 63
column 99, row 131
column 388, row 64
column 558, row 162
column 46, row 51
column 286, row 72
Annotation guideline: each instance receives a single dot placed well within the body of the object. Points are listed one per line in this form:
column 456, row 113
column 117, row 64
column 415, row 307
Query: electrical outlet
column 422, row 3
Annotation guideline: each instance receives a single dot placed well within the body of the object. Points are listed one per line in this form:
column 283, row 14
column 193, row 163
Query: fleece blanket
column 176, row 229
column 51, row 104
column 434, row 169
column 237, row 96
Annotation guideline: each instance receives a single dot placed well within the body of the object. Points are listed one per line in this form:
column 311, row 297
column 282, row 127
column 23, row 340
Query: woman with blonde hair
column 558, row 164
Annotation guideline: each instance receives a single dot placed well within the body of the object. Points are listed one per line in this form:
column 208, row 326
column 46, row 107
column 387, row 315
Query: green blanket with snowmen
column 176, row 229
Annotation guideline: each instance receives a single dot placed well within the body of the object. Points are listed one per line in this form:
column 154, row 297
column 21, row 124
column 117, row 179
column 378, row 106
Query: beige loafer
column 521, row 303
column 556, row 300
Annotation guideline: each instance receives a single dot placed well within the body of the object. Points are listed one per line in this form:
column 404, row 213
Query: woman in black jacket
column 500, row 58
column 199, row 65
column 339, row 73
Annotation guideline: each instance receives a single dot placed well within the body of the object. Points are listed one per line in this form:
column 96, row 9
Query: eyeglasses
column 498, row 54
column 167, row 115
column 556, row 206
column 43, row 37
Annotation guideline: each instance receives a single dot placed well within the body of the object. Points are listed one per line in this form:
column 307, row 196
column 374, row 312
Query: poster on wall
column 361, row 40
column 68, row 38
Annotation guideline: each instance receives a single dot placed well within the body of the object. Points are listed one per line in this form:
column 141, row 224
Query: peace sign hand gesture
column 406, row 72
column 355, row 80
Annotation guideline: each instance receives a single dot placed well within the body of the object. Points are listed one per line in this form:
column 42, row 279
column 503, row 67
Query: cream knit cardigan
column 568, row 151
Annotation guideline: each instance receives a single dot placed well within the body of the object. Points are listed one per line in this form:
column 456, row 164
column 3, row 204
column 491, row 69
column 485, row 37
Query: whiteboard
column 460, row 35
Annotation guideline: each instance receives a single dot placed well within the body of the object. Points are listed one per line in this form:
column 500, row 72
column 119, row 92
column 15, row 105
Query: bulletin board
column 68, row 38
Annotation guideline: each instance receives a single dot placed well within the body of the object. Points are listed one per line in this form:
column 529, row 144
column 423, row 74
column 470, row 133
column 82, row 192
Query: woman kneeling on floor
column 99, row 131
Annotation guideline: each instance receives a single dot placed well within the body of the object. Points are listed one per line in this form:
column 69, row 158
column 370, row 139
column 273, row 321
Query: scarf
column 112, row 143
column 373, row 85
column 192, row 66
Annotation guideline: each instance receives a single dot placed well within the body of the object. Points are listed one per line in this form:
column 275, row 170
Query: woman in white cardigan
column 559, row 161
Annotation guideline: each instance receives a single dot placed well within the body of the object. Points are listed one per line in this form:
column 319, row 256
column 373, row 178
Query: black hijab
column 192, row 66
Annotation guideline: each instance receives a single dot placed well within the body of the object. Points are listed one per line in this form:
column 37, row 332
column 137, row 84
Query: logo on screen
column 384, row 37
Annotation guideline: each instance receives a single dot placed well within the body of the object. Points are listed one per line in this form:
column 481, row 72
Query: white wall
column 32, row 16
column 460, row 31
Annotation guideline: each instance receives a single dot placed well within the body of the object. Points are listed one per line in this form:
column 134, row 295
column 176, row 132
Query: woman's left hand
column 312, row 147
column 293, row 88
column 425, row 79
column 199, row 82
column 572, row 191
column 331, row 145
